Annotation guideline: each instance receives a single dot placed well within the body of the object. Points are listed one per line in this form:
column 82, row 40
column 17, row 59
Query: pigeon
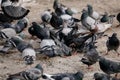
column 64, row 76
column 79, row 41
column 26, row 49
column 29, row 74
column 53, row 47
column 91, row 55
column 92, row 13
column 67, row 34
column 7, row 46
column 13, row 30
column 41, row 31
column 101, row 76
column 13, row 9
column 113, row 43
column 47, row 47
column 86, row 20
column 109, row 66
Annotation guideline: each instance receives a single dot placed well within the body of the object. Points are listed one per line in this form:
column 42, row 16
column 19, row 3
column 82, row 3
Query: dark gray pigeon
column 30, row 74
column 108, row 66
column 41, row 31
column 53, row 47
column 101, row 76
column 64, row 76
column 21, row 25
column 113, row 43
column 13, row 9
column 4, row 18
column 91, row 55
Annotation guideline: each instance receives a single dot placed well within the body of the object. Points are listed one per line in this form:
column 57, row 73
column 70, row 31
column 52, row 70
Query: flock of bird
column 60, row 34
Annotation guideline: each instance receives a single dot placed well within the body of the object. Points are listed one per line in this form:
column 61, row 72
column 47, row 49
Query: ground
column 10, row 63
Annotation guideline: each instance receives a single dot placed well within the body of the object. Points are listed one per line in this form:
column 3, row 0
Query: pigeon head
column 69, row 11
column 34, row 23
column 105, row 13
column 91, row 45
column 79, row 75
column 38, row 66
column 29, row 60
column 21, row 25
column 49, row 10
column 24, row 20
column 16, row 40
column 90, row 9
column 84, row 14
column 114, row 34
column 101, row 59
column 89, row 6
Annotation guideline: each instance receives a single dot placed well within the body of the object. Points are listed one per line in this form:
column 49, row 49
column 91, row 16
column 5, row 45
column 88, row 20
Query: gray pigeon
column 113, row 43
column 28, row 53
column 30, row 74
column 14, row 29
column 108, row 66
column 7, row 46
column 101, row 76
column 64, row 76
column 86, row 20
